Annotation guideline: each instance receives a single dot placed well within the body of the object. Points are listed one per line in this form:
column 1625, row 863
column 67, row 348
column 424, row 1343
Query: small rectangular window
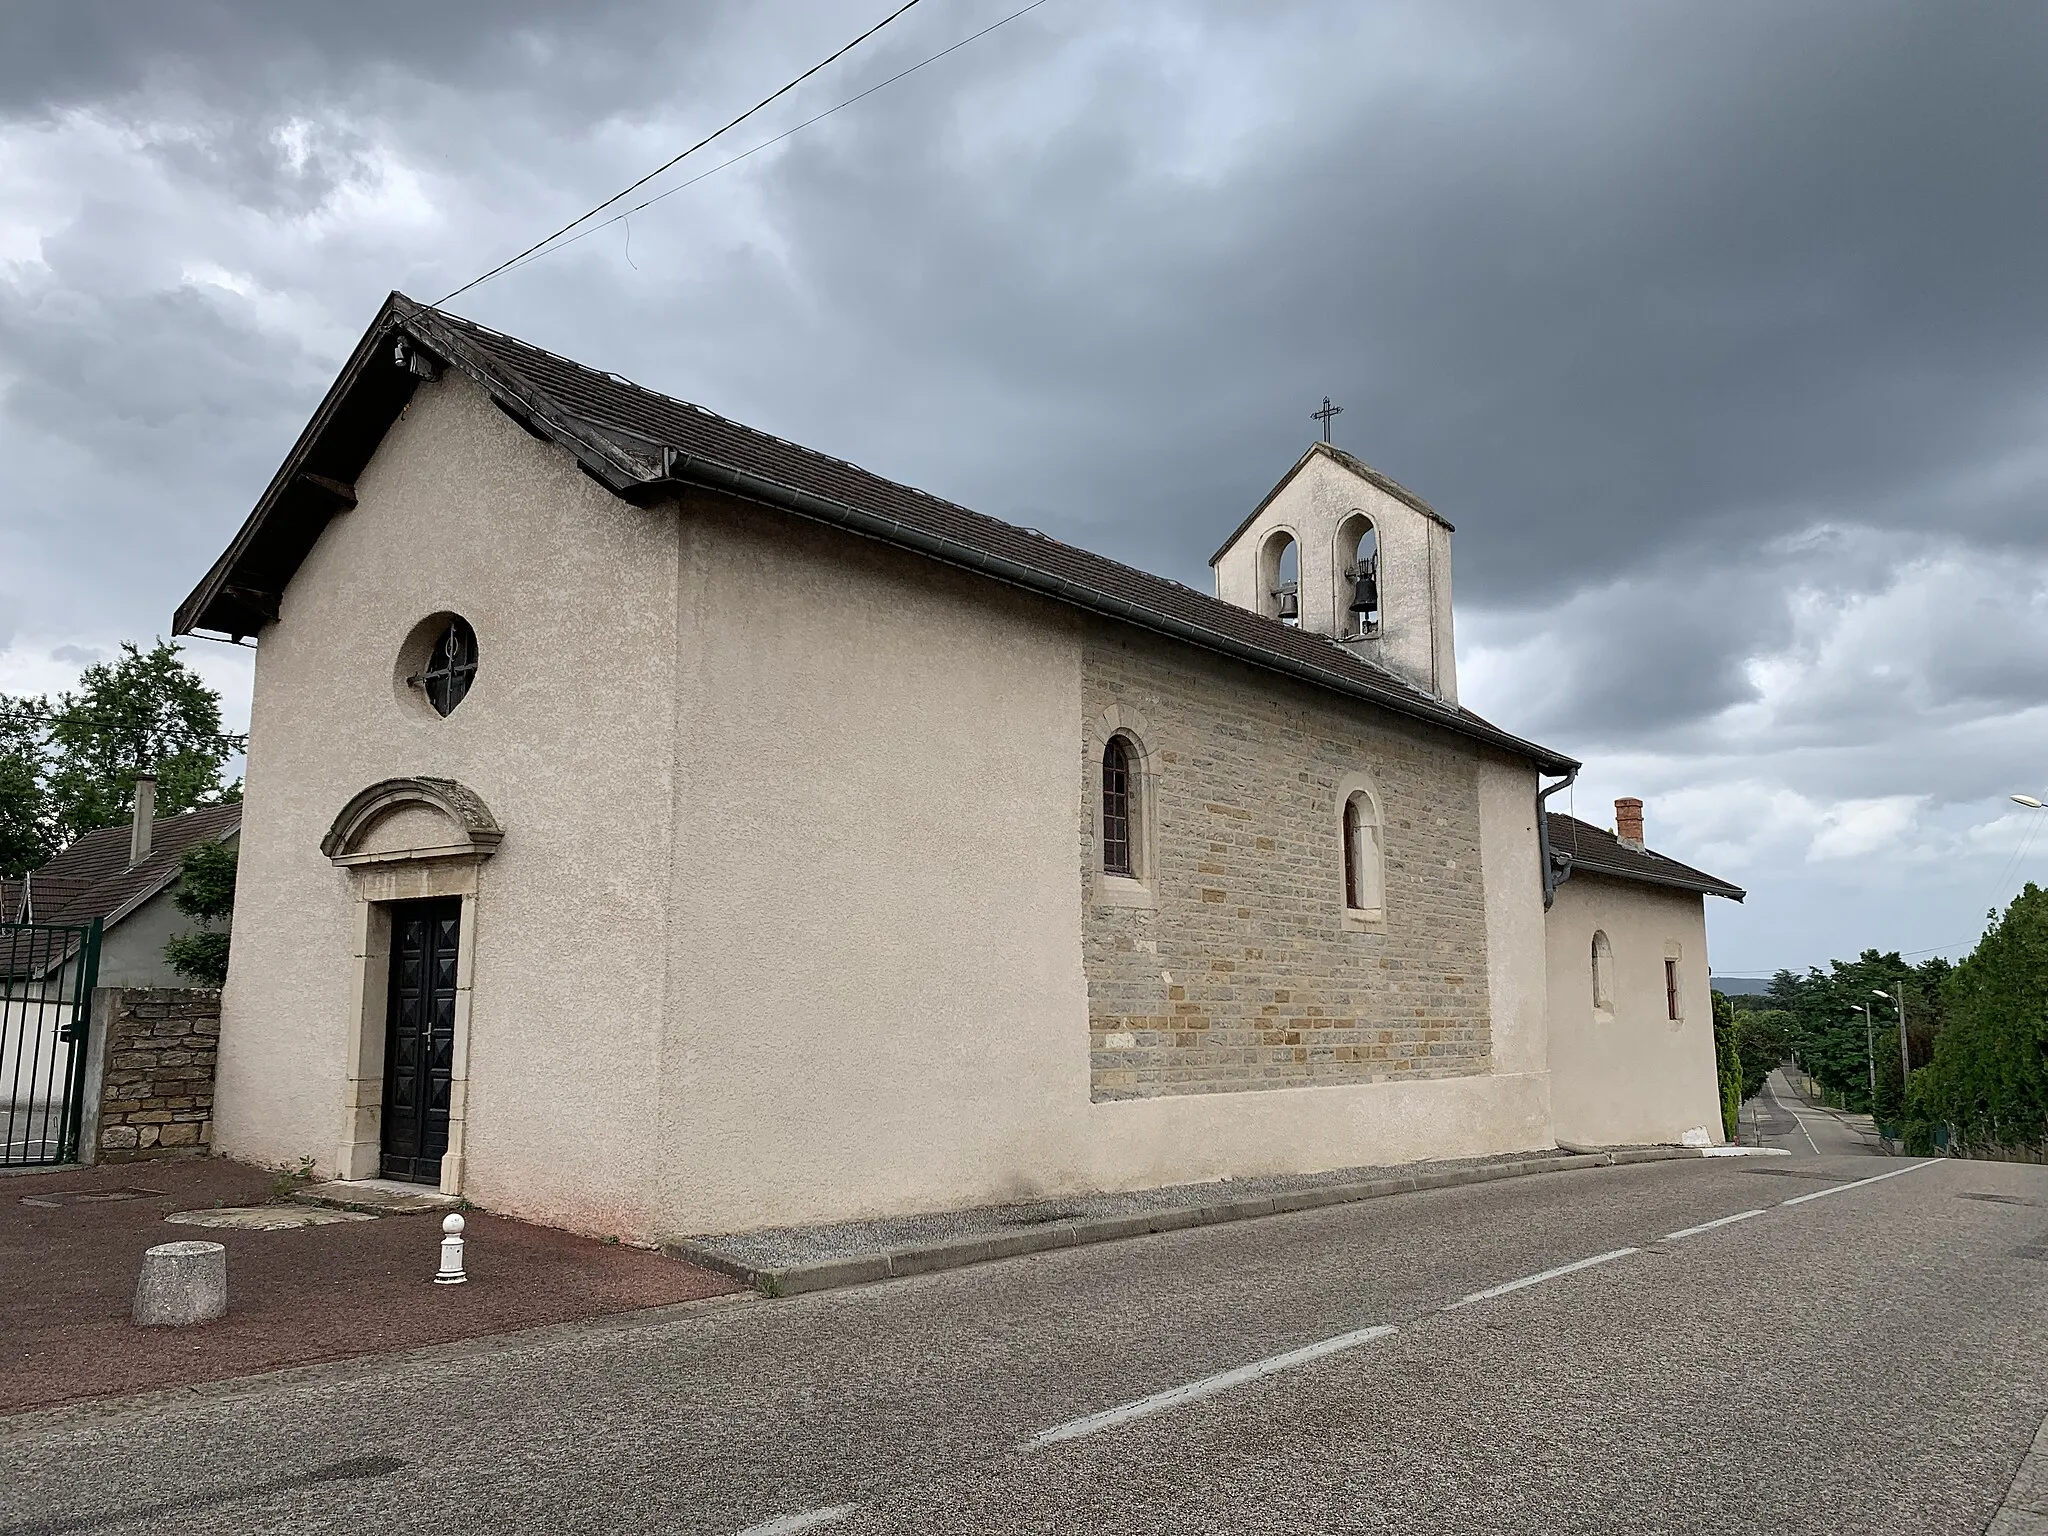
column 1670, row 989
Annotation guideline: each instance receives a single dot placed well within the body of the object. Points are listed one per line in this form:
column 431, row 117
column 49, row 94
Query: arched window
column 1603, row 974
column 1280, row 577
column 1358, row 577
column 1116, row 809
column 1364, row 872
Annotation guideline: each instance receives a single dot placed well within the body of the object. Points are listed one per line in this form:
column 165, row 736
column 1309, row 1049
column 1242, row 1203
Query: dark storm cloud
column 1716, row 329
column 265, row 55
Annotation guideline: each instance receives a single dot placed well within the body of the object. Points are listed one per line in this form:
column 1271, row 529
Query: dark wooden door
column 419, row 1039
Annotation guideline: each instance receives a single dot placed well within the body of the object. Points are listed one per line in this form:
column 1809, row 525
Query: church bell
column 1290, row 604
column 1366, row 599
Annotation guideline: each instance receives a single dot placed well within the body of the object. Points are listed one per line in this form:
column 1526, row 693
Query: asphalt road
column 1788, row 1122
column 1871, row 1360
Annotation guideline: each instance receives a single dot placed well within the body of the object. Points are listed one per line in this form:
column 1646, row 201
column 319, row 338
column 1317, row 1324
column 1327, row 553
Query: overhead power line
column 773, row 96
column 527, row 260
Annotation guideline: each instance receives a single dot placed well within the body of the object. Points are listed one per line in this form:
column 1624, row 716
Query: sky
column 1716, row 328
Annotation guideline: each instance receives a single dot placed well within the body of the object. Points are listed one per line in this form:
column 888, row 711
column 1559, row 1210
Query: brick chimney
column 1628, row 823
column 145, row 815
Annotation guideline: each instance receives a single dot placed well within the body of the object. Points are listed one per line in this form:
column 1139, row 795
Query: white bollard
column 451, row 1253
column 182, row 1284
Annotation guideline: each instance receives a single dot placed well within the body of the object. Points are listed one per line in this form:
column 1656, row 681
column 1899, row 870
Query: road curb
column 958, row 1252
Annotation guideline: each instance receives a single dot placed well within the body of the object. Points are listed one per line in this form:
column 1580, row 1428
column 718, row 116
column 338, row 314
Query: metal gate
column 47, row 973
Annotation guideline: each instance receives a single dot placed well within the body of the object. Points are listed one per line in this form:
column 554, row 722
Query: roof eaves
column 650, row 469
column 1706, row 885
column 192, row 614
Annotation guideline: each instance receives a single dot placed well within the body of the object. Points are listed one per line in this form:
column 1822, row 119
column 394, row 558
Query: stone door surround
column 405, row 839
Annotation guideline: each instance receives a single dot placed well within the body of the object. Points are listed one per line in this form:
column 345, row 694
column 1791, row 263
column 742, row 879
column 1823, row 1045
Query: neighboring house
column 655, row 826
column 1631, row 1003
column 124, row 876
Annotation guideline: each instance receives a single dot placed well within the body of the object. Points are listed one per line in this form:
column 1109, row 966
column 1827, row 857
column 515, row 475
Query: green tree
column 1988, row 1078
column 143, row 710
column 1828, row 1031
column 1762, row 1040
column 206, row 892
column 24, row 806
column 1728, row 1064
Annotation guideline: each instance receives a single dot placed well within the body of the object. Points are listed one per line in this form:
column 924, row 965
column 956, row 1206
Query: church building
column 655, row 827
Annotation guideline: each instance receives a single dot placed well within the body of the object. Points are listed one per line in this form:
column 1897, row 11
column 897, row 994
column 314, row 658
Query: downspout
column 1557, row 864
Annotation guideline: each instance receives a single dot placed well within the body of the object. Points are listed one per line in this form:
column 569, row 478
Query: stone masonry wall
column 1243, row 973
column 156, row 1089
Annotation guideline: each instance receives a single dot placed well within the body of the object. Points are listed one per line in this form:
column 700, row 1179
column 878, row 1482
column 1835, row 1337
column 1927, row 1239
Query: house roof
column 1597, row 851
column 646, row 447
column 93, row 878
column 1358, row 467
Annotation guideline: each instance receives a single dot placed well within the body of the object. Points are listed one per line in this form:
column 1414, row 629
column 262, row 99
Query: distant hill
column 1742, row 986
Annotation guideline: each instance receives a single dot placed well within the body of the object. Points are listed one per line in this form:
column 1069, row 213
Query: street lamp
column 2030, row 802
column 1898, row 1001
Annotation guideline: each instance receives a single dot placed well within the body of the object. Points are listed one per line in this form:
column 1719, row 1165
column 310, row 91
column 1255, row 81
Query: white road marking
column 803, row 1520
column 1549, row 1274
column 1821, row 1194
column 1223, row 1381
column 1708, row 1226
column 1208, row 1386
column 1773, row 1092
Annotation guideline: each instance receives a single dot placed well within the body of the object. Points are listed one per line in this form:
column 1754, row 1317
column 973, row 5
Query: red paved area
column 67, row 1280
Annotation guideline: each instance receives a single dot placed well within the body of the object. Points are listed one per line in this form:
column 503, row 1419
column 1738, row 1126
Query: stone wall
column 156, row 1077
column 1237, row 968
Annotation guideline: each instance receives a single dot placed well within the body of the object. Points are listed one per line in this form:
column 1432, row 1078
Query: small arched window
column 1116, row 809
column 1603, row 974
column 1364, row 871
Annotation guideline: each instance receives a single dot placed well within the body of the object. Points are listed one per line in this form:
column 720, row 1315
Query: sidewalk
column 71, row 1243
column 786, row 1261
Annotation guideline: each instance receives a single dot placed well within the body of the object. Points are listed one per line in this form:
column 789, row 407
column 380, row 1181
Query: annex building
column 653, row 826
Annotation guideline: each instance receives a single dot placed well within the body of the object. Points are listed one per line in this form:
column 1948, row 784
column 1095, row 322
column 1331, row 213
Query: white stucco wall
column 1635, row 1076
column 566, row 735
column 1516, row 943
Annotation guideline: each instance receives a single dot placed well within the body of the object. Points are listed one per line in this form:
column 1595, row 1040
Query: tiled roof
column 93, row 878
column 1597, row 851
column 646, row 447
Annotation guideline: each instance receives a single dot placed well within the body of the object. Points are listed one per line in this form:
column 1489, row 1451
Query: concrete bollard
column 451, row 1253
column 182, row 1284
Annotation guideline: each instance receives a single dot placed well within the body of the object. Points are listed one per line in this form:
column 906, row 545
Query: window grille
column 451, row 667
column 1670, row 989
column 1116, row 808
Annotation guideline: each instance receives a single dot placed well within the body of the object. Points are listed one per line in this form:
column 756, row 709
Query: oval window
column 451, row 666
